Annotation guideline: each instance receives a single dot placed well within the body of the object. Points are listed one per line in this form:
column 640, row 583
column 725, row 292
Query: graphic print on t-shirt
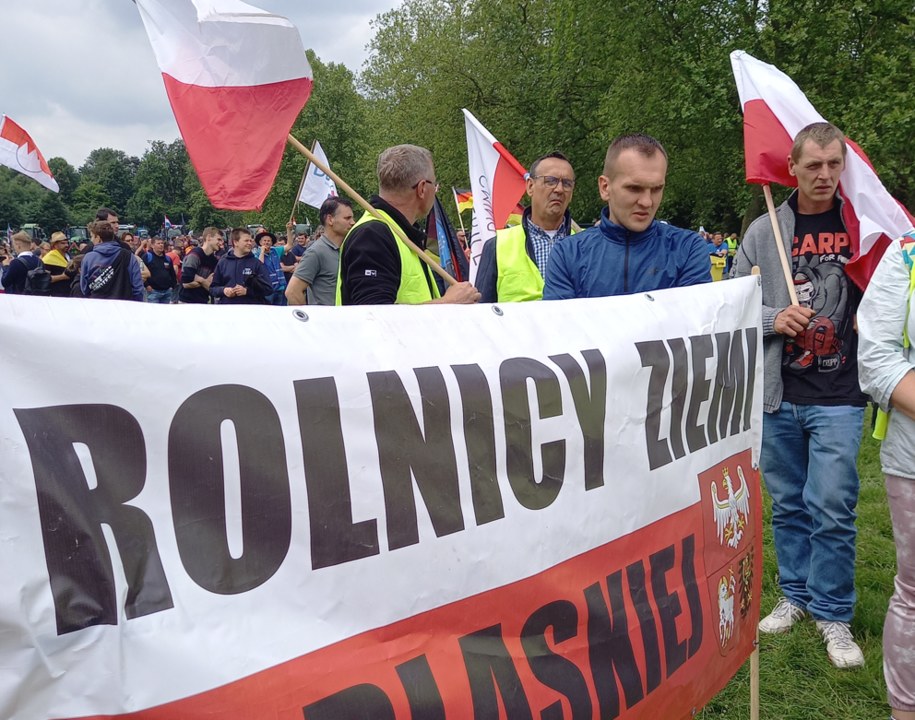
column 819, row 364
column 820, row 283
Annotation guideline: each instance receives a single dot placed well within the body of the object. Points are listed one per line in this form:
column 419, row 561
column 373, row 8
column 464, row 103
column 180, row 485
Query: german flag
column 463, row 199
column 516, row 216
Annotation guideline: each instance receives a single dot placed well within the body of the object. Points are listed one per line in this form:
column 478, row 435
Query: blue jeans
column 809, row 463
column 161, row 297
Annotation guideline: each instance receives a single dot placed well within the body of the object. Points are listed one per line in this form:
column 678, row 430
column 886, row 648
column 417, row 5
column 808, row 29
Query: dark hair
column 237, row 233
column 641, row 143
column 329, row 208
column 103, row 213
column 556, row 155
column 102, row 230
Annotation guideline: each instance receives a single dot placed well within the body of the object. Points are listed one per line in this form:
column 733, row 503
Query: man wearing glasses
column 376, row 267
column 628, row 251
column 513, row 263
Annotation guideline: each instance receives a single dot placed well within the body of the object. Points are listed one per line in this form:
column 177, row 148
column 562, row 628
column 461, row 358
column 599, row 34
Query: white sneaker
column 841, row 647
column 782, row 618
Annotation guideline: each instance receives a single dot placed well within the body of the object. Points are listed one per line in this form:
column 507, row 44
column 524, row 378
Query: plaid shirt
column 542, row 242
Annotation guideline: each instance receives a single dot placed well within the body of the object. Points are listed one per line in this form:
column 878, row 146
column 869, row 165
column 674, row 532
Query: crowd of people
column 826, row 353
column 119, row 265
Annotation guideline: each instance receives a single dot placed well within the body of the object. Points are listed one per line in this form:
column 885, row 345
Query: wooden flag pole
column 369, row 209
column 295, row 203
column 780, row 244
column 457, row 206
column 754, row 680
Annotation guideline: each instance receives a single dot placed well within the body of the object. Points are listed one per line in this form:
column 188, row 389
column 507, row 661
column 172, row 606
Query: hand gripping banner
column 532, row 510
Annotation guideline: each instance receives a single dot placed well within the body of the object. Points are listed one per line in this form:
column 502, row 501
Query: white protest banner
column 420, row 512
column 317, row 186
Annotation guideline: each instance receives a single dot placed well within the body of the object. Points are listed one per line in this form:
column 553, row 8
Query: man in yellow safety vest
column 513, row 263
column 376, row 266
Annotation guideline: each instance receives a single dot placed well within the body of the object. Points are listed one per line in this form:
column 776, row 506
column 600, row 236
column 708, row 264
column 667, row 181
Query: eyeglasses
column 431, row 182
column 552, row 182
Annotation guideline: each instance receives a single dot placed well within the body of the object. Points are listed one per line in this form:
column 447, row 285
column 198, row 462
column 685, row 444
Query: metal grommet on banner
column 497, row 310
column 300, row 315
column 649, row 297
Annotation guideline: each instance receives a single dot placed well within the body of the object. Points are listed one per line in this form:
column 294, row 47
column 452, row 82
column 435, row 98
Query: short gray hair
column 401, row 167
column 822, row 133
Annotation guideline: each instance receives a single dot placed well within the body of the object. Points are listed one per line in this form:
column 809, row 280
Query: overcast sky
column 80, row 74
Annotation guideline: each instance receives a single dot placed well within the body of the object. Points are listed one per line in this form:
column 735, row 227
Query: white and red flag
column 497, row 183
column 19, row 152
column 774, row 112
column 236, row 77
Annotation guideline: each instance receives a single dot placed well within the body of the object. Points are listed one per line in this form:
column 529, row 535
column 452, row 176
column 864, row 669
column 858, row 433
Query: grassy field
column 797, row 682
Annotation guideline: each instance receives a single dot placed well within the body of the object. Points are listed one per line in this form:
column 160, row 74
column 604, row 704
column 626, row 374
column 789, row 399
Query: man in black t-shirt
column 813, row 406
column 162, row 278
column 197, row 269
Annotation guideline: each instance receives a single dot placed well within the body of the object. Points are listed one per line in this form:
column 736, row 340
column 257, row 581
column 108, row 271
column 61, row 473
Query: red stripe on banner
column 235, row 136
column 766, row 145
column 651, row 625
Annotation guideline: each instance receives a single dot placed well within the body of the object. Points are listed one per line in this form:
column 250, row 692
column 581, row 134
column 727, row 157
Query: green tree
column 160, row 184
column 113, row 171
column 67, row 178
column 87, row 199
column 51, row 213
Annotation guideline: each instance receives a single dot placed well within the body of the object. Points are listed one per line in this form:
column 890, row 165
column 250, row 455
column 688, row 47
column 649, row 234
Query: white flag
column 318, row 186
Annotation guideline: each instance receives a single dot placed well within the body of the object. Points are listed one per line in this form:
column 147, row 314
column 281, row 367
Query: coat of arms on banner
column 730, row 498
column 727, row 586
column 729, row 491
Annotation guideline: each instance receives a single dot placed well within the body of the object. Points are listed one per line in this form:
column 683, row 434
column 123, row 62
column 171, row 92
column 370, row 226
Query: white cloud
column 84, row 75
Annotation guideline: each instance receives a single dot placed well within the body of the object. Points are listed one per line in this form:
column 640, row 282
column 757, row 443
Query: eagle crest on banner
column 726, row 588
column 731, row 512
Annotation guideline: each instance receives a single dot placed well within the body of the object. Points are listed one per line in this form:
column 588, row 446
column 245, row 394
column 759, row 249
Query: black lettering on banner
column 71, row 513
column 550, row 668
column 335, row 538
column 406, row 453
column 513, row 376
column 591, row 408
column 654, row 355
column 729, row 382
column 480, row 441
column 422, row 693
column 679, row 390
column 669, row 608
column 490, row 669
column 635, row 576
column 750, row 334
column 359, row 702
column 693, row 597
column 610, row 648
column 198, row 493
column 701, row 350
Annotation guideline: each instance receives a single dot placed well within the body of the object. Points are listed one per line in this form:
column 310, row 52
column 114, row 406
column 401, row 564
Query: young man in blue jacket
column 240, row 278
column 628, row 251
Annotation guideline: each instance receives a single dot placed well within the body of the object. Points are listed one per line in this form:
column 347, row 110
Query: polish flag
column 774, row 111
column 497, row 183
column 18, row 151
column 236, row 77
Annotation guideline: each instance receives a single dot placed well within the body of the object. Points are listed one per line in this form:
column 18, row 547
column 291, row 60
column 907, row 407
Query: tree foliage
column 572, row 74
column 548, row 75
